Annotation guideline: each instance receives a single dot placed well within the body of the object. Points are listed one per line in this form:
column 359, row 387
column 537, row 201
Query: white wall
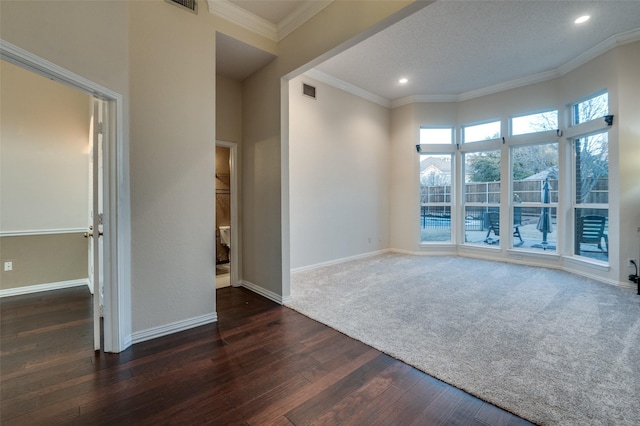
column 339, row 174
column 44, row 170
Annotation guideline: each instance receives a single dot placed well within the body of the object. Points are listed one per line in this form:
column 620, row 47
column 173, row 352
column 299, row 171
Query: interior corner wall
column 339, row 175
column 172, row 54
column 627, row 120
column 405, row 167
column 228, row 109
column 265, row 247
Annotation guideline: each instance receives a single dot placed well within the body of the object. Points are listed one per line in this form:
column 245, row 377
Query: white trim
column 43, row 287
column 413, row 99
column 265, row 293
column 302, row 14
column 341, row 260
column 176, row 327
column 347, row 87
column 43, row 232
column 242, row 17
column 117, row 307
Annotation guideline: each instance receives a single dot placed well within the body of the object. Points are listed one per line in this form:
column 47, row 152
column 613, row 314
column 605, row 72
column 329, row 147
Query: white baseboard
column 338, row 261
column 265, row 293
column 43, row 287
column 176, row 327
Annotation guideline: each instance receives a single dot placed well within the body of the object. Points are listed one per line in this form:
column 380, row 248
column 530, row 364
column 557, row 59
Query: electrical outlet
column 8, row 266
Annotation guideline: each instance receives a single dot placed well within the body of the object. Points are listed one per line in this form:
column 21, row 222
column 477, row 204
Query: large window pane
column 481, row 132
column 533, row 123
column 435, row 224
column 591, row 185
column 590, row 109
column 436, row 172
column 482, row 197
column 592, row 169
column 535, row 196
column 435, row 135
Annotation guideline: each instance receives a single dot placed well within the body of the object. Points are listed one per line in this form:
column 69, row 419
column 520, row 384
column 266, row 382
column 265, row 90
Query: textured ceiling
column 453, row 47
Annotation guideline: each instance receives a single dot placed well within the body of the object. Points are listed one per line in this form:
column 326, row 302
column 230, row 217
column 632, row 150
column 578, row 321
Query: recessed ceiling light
column 403, row 81
column 582, row 19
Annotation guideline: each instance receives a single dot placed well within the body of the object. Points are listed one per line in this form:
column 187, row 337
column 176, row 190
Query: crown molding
column 301, row 15
column 242, row 17
column 347, row 87
column 413, row 99
column 237, row 15
column 599, row 49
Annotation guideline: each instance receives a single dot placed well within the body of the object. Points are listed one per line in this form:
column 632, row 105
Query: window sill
column 519, row 254
column 582, row 262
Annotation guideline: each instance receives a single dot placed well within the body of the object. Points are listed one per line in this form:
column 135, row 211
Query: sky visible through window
column 434, row 135
column 481, row 132
column 533, row 123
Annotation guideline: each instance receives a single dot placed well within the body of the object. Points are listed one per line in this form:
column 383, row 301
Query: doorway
column 226, row 225
column 115, row 220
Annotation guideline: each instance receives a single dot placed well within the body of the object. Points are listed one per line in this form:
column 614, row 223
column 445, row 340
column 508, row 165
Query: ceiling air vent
column 308, row 90
column 190, row 5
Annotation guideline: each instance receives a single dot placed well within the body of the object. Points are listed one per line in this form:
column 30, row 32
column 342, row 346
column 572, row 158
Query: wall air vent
column 190, row 5
column 308, row 90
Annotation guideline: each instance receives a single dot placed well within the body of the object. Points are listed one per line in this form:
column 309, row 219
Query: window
column 436, row 171
column 482, row 197
column 534, row 185
column 436, row 135
column 591, row 191
column 533, row 123
column 590, row 109
column 481, row 132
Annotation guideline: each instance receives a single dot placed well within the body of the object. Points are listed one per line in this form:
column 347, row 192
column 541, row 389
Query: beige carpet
column 547, row 345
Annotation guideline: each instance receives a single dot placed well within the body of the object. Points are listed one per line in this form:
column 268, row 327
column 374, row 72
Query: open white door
column 96, row 228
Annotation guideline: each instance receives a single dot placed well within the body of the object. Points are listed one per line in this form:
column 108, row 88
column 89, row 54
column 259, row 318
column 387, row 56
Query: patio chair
column 590, row 230
column 494, row 226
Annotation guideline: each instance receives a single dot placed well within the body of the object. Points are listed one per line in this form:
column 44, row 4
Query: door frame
column 235, row 226
column 117, row 225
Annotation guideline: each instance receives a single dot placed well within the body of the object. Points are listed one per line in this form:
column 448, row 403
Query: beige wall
column 172, row 63
column 228, row 109
column 265, row 204
column 44, row 161
column 44, row 259
column 628, row 123
column 339, row 175
column 44, row 178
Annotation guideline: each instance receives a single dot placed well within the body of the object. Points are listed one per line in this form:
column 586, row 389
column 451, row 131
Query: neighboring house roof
column 551, row 173
column 436, row 165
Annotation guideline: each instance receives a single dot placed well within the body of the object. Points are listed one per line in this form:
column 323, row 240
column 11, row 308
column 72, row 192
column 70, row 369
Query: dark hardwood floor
column 260, row 364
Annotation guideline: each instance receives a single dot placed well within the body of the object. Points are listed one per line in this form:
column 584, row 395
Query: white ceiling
column 453, row 48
